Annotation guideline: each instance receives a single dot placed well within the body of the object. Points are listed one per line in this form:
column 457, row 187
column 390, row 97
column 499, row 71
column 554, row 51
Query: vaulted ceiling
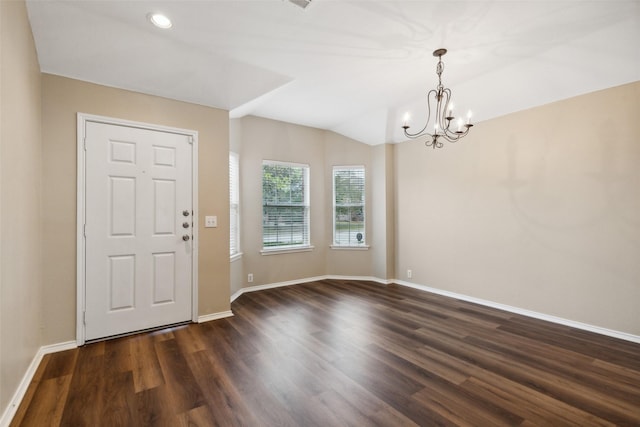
column 354, row 67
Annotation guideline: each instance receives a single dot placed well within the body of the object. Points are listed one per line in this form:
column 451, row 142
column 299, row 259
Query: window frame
column 349, row 245
column 306, row 204
column 234, row 179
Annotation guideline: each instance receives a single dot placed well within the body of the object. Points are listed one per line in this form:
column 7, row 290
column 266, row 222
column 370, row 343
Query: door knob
column 185, row 237
column 185, row 213
column 185, row 225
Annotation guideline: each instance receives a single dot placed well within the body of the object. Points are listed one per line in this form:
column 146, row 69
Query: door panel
column 164, row 277
column 138, row 267
column 122, row 280
column 122, row 206
column 164, row 213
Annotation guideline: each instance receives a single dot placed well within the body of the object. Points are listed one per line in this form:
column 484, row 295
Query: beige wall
column 261, row 139
column 342, row 151
column 539, row 210
column 62, row 99
column 20, row 190
column 383, row 203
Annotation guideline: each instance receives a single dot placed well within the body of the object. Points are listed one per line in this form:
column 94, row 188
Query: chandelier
column 445, row 125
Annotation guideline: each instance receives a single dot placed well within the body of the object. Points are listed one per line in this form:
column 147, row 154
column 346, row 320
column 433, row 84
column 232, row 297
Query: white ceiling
column 354, row 67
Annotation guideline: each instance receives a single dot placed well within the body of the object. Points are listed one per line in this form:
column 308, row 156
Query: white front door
column 138, row 229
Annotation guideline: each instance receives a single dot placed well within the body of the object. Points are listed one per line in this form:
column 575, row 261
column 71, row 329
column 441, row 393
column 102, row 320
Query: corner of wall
column 21, row 282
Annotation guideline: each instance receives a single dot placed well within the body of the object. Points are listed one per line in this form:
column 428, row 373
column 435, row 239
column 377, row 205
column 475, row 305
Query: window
column 285, row 205
column 234, row 204
column 348, row 206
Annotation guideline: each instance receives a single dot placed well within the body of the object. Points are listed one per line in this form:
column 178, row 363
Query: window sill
column 350, row 248
column 288, row 250
column 235, row 257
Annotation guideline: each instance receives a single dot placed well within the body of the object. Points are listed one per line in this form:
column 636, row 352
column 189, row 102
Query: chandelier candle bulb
column 469, row 117
column 460, row 125
column 405, row 120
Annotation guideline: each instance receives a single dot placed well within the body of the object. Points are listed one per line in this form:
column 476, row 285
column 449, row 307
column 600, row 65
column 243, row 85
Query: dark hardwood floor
column 344, row 353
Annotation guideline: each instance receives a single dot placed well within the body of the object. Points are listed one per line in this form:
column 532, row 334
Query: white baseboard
column 529, row 313
column 10, row 410
column 236, row 294
column 215, row 316
column 306, row 280
column 364, row 278
column 61, row 346
column 275, row 285
column 534, row 314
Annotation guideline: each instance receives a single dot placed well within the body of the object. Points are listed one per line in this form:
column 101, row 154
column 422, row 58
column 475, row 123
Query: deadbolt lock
column 185, row 225
column 186, row 237
column 185, row 213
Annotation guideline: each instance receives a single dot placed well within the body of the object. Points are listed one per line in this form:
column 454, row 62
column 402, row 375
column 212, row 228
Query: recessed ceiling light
column 159, row 20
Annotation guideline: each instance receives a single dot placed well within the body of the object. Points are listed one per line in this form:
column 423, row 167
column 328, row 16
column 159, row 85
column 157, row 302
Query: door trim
column 82, row 120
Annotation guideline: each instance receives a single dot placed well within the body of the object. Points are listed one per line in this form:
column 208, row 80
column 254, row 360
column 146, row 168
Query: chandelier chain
column 439, row 70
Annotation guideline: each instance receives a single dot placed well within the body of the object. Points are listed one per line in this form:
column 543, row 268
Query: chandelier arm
column 448, row 134
column 445, row 110
column 438, row 115
column 451, row 138
column 423, row 132
column 454, row 136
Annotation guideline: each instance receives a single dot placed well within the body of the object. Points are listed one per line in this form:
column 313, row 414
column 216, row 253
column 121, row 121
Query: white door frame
column 82, row 119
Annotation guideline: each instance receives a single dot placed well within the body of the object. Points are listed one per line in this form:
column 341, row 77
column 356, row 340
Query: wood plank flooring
column 344, row 353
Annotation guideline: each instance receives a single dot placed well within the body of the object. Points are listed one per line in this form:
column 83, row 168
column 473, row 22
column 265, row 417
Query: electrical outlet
column 210, row 221
column 409, row 274
column 250, row 277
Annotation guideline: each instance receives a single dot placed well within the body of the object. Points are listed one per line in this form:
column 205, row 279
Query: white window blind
column 285, row 205
column 348, row 206
column 234, row 203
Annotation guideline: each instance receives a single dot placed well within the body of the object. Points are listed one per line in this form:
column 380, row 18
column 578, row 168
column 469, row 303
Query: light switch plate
column 210, row 221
